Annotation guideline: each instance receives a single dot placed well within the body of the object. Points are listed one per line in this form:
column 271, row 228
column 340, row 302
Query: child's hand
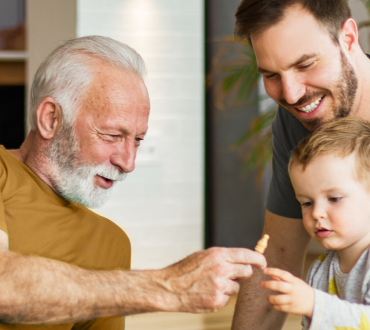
column 297, row 298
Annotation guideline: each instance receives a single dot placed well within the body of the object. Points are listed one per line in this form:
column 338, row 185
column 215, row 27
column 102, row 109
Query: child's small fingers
column 274, row 278
column 279, row 286
column 279, row 273
column 279, row 299
column 282, row 308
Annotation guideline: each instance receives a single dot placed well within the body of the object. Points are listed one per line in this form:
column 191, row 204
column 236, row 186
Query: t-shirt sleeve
column 332, row 312
column 3, row 225
column 287, row 132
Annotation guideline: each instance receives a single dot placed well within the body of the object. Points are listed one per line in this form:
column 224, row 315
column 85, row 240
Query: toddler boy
column 330, row 174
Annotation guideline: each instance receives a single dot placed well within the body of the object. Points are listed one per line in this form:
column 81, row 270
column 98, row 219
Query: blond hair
column 341, row 137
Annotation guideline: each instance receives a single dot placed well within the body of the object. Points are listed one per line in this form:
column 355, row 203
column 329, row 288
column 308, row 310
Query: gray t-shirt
column 342, row 301
column 287, row 132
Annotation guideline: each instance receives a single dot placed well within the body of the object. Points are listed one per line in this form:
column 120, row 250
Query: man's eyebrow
column 127, row 132
column 303, row 58
column 261, row 70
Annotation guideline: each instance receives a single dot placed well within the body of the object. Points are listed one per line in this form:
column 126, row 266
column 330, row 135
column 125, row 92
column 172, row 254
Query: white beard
column 76, row 182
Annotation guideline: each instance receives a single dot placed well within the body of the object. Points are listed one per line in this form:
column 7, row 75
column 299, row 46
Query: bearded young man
column 313, row 66
column 89, row 111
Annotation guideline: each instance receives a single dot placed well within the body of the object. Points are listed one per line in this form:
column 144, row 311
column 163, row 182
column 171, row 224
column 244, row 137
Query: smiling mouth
column 310, row 107
column 105, row 179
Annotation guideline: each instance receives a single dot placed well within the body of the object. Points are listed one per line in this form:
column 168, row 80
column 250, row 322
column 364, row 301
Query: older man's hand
column 204, row 281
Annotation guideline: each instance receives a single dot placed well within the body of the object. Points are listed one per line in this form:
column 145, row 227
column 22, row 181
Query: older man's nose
column 293, row 89
column 125, row 158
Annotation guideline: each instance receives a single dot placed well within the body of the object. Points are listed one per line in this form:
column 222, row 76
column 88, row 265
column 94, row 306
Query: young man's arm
column 286, row 250
column 37, row 290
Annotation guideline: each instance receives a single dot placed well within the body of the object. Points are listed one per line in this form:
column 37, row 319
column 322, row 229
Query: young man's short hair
column 341, row 137
column 256, row 16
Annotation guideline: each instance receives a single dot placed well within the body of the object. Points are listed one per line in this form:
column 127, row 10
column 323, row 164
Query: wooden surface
column 221, row 320
column 181, row 321
column 12, row 73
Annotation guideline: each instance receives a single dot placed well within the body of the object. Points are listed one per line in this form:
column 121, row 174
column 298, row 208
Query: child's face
column 335, row 207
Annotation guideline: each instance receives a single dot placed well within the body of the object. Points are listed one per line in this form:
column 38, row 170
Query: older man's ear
column 49, row 118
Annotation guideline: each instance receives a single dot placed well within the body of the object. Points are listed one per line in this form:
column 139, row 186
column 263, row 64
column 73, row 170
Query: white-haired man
column 89, row 111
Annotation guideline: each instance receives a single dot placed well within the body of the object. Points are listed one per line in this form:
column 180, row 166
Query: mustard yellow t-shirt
column 41, row 223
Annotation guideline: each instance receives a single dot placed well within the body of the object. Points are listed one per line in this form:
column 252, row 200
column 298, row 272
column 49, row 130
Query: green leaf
column 234, row 77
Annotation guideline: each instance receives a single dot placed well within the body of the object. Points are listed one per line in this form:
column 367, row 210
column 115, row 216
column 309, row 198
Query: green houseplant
column 234, row 79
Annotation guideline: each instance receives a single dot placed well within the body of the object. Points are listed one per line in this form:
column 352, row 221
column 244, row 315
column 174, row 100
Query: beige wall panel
column 49, row 22
column 160, row 204
column 359, row 13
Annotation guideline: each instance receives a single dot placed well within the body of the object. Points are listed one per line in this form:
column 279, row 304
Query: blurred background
column 203, row 170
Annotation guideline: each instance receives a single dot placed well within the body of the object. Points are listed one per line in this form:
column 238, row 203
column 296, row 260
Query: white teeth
column 310, row 107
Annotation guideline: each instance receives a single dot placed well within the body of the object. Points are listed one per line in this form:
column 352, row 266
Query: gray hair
column 66, row 73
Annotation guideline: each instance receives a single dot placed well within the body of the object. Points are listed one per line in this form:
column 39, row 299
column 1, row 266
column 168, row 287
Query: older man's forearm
column 42, row 291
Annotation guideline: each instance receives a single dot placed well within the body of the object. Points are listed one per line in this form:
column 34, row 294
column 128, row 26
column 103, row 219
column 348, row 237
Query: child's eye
column 335, row 199
column 306, row 204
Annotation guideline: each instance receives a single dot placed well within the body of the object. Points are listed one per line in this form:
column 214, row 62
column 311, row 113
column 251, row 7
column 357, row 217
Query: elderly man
column 313, row 66
column 89, row 111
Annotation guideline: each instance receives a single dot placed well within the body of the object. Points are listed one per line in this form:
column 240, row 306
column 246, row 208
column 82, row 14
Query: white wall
column 160, row 205
column 49, row 23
